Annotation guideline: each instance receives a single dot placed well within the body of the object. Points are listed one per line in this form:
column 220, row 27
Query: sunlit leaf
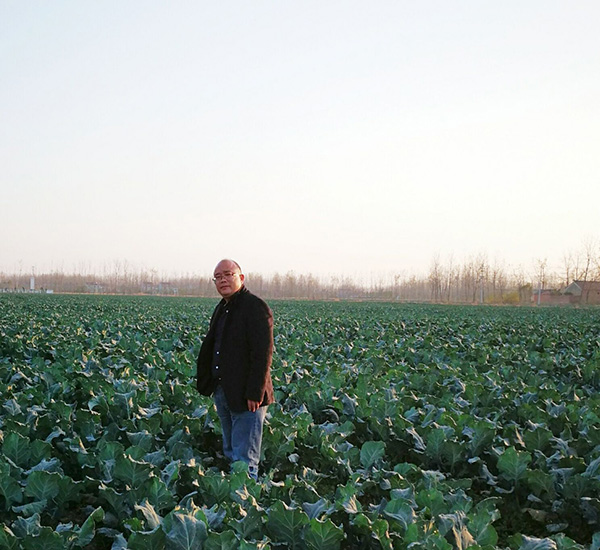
column 185, row 532
column 286, row 524
column 513, row 464
column 371, row 452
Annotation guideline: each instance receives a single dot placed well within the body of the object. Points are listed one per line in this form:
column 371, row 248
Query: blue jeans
column 242, row 432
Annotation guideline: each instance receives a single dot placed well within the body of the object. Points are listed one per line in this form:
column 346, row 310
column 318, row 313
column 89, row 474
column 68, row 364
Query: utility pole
column 542, row 273
column 481, row 273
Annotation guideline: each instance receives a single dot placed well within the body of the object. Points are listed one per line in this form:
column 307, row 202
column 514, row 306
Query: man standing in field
column 234, row 364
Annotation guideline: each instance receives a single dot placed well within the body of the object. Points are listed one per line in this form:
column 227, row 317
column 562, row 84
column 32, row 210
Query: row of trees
column 475, row 280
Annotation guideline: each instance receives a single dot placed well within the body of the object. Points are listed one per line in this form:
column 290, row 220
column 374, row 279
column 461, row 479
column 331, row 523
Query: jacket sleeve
column 204, row 382
column 260, row 344
column 203, row 370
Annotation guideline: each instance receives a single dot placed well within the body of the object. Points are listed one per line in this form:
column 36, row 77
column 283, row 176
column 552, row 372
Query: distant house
column 549, row 296
column 583, row 292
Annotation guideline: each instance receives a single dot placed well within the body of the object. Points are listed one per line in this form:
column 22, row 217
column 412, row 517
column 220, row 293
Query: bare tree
column 541, row 277
column 568, row 268
column 590, row 257
column 435, row 278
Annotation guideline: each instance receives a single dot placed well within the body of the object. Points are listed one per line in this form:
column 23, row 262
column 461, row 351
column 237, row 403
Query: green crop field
column 396, row 427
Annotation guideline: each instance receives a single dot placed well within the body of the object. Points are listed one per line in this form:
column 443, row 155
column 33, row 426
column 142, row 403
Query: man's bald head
column 228, row 278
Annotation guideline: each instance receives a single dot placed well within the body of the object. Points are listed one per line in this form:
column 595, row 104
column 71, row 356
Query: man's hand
column 253, row 405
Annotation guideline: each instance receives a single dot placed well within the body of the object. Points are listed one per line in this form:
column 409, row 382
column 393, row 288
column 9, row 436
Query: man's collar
column 235, row 296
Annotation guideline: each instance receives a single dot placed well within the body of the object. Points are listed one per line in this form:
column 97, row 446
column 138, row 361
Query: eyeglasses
column 225, row 275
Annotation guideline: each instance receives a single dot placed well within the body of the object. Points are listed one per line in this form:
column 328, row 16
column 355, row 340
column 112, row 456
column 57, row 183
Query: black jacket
column 246, row 352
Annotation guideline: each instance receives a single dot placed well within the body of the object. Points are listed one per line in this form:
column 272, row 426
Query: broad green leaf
column 68, row 491
column 44, row 465
column 153, row 540
column 513, row 464
column 482, row 436
column 433, row 499
column 250, row 525
column 489, row 506
column 170, row 473
column 222, row 541
column 12, row 407
column 347, row 498
column 435, row 444
column 10, row 490
column 565, row 543
column 117, row 501
column 47, row 539
column 56, row 432
column 351, row 504
column 143, row 439
column 136, row 453
column 175, row 438
column 40, row 452
column 323, row 535
column 286, row 524
column 454, row 525
column 361, row 524
column 382, row 534
column 400, row 511
column 148, row 412
column 371, row 452
column 8, row 541
column 316, row 509
column 239, row 466
column 43, row 485
column 538, row 439
column 17, row 448
column 157, row 494
column 30, row 508
column 453, row 453
column 110, row 450
column 153, row 520
column 541, row 482
column 418, row 440
column 30, row 526
column 157, row 458
column 215, row 488
column 214, row 516
column 86, row 533
column 480, row 527
column 131, row 472
column 185, row 532
column 592, row 469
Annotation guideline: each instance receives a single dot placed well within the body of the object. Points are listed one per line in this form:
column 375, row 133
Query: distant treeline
column 441, row 285
column 473, row 281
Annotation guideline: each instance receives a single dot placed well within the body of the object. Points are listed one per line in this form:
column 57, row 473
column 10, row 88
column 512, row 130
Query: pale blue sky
column 324, row 137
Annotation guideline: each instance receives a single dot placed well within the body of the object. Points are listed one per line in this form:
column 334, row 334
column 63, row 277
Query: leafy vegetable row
column 396, row 426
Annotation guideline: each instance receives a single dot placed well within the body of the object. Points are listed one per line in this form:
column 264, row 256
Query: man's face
column 228, row 279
